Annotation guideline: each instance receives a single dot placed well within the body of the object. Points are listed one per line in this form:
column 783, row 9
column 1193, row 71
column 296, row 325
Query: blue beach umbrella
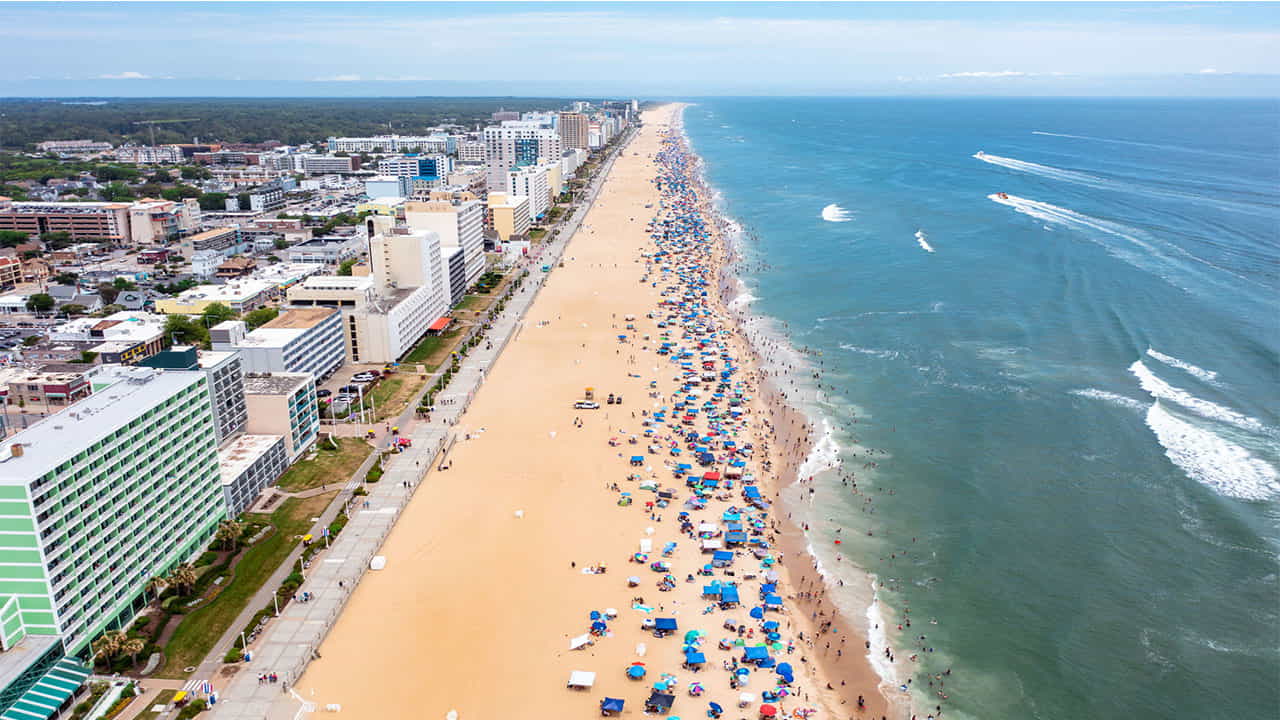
column 757, row 613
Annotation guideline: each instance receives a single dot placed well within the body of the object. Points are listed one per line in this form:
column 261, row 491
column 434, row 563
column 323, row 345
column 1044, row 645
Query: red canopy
column 711, row 476
column 768, row 711
column 440, row 324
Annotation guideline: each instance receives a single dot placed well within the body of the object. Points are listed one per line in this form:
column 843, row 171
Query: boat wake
column 835, row 213
column 924, row 244
column 1110, row 397
column 1047, row 171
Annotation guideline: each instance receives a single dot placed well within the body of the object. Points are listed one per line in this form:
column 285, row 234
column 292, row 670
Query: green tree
column 345, row 267
column 111, row 173
column 10, row 238
column 257, row 318
column 215, row 313
column 56, row 240
column 195, row 173
column 108, row 292
column 213, row 201
column 180, row 192
column 66, row 278
column 40, row 302
column 182, row 330
column 123, row 284
column 117, row 192
column 74, row 309
column 280, row 243
column 161, row 176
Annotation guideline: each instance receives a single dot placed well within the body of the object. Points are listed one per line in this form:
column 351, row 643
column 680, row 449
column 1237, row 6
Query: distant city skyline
column 592, row 49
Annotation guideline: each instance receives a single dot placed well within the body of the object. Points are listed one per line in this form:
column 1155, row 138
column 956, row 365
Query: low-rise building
column 284, row 404
column 236, row 267
column 247, row 465
column 299, row 340
column 81, row 220
column 240, row 295
column 40, row 391
column 126, row 337
column 332, row 250
column 508, row 215
column 226, row 241
column 10, row 272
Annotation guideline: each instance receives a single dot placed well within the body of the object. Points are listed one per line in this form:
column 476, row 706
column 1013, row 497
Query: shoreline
column 486, row 583
column 792, row 428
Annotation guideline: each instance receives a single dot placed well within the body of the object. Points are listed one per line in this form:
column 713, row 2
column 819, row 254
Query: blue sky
column 638, row 49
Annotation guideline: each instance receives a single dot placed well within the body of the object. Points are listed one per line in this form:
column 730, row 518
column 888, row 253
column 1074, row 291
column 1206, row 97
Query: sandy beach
column 485, row 582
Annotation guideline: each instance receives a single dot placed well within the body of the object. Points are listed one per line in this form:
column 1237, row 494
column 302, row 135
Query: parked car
column 586, row 405
column 367, row 376
column 322, row 393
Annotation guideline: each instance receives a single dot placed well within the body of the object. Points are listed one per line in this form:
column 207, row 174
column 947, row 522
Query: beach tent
column 721, row 558
column 773, row 600
column 729, row 594
column 665, row 624
column 612, row 705
column 646, row 545
column 659, row 702
column 580, row 641
column 711, row 545
column 581, row 679
column 755, row 654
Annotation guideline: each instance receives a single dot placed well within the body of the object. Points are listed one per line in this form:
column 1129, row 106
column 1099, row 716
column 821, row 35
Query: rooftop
column 237, row 457
column 274, row 383
column 15, row 660
column 235, row 291
column 300, row 318
column 121, row 394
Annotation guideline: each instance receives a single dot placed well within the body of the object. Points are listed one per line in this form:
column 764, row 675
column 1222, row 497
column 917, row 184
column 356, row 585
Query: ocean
column 1047, row 338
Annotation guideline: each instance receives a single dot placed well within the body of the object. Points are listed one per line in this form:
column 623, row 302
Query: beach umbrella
column 595, row 614
column 660, row 686
column 784, row 669
column 636, row 671
column 715, row 707
column 757, row 613
column 767, row 710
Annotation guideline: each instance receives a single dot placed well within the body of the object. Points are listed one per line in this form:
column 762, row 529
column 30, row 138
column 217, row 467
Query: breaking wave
column 835, row 213
column 920, row 238
column 1209, row 376
column 1161, row 390
column 1210, row 460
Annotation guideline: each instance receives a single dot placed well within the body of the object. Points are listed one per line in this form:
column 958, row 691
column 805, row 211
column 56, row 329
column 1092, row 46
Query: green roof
column 44, row 698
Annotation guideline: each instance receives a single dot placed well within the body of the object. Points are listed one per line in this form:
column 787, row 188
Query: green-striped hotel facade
column 98, row 499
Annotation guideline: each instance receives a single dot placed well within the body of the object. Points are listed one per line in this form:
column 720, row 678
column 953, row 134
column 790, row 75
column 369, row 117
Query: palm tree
column 156, row 585
column 228, row 534
column 132, row 647
column 182, row 577
column 109, row 645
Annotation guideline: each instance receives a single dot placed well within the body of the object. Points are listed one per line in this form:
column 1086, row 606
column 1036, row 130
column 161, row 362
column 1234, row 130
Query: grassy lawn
column 537, row 234
column 392, row 394
column 327, row 466
column 433, row 350
column 474, row 302
column 163, row 698
column 200, row 629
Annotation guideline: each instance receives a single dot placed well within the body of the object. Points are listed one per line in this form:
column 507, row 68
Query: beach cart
column 611, row 706
column 581, row 680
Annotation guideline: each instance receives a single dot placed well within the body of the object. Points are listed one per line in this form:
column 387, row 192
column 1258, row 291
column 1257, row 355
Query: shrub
column 234, row 655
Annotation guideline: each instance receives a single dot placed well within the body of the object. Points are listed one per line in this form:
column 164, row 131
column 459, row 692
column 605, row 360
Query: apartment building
column 104, row 495
column 225, row 375
column 247, row 465
column 573, row 130
column 532, row 182
column 516, row 144
column 283, row 404
column 73, row 147
column 10, row 272
column 508, row 215
column 327, row 164
column 149, row 155
column 394, row 144
column 471, row 151
column 82, row 220
column 459, row 221
column 415, row 166
column 126, row 337
column 299, row 340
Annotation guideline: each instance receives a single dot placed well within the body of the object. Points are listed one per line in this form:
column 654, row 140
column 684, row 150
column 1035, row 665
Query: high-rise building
column 517, row 143
column 508, row 215
column 225, row 373
column 573, row 130
column 531, row 182
column 428, row 166
column 101, row 497
column 458, row 222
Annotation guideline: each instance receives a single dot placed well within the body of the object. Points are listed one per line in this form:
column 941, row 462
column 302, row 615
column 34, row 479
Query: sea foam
column 835, row 213
column 1110, row 397
column 1161, row 390
column 1211, row 460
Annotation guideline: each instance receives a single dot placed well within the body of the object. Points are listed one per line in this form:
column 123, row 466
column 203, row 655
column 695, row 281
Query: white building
column 531, row 182
column 299, row 340
column 471, row 151
column 205, row 262
column 393, row 144
column 459, row 224
column 518, row 143
column 380, row 186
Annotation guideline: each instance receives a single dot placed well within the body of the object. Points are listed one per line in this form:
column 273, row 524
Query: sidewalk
column 291, row 641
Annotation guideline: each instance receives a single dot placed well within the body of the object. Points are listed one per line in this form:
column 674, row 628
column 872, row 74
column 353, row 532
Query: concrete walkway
column 291, row 641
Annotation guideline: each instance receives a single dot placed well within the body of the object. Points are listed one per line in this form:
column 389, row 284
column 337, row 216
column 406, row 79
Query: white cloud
column 1214, row 71
column 402, row 78
column 351, row 77
column 126, row 75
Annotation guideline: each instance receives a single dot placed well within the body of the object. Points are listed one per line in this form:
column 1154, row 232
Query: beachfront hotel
column 94, row 501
